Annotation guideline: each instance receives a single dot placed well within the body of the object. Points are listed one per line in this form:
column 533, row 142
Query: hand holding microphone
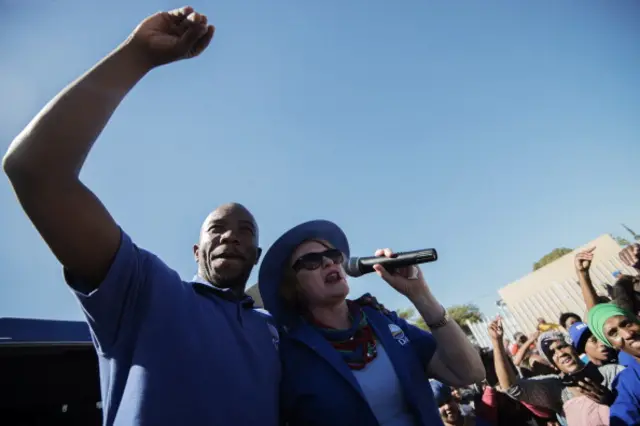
column 399, row 270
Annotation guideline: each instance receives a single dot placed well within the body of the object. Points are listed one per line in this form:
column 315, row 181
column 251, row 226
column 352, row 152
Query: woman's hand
column 408, row 280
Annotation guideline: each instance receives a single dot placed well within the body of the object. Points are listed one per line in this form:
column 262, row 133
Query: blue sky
column 493, row 131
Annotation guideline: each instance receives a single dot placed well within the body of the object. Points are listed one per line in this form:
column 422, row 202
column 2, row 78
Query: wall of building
column 554, row 288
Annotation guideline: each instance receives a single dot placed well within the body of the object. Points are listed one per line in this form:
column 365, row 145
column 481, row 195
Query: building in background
column 510, row 325
column 554, row 289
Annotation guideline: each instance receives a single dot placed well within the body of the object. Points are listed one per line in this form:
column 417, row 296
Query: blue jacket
column 626, row 407
column 319, row 389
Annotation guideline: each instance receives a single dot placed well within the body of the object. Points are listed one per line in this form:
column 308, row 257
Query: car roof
column 30, row 331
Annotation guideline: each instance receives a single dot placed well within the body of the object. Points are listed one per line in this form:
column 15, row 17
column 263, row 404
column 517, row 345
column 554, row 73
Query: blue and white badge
column 398, row 334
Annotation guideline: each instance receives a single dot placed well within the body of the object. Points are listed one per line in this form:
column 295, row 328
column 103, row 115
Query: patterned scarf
column 356, row 344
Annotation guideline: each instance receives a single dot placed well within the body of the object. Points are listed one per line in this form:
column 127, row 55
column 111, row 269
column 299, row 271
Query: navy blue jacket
column 318, row 388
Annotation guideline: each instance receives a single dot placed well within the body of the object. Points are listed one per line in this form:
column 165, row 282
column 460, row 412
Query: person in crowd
column 495, row 407
column 348, row 362
column 586, row 343
column 464, row 398
column 528, row 360
column 577, row 400
column 170, row 352
column 450, row 409
column 567, row 319
column 519, row 339
column 625, row 292
column 543, row 325
column 620, row 329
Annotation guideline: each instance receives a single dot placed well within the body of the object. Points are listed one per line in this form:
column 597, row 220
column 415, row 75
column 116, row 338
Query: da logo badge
column 398, row 334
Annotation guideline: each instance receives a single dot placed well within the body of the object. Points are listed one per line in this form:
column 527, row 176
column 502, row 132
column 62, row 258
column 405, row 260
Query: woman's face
column 623, row 334
column 320, row 274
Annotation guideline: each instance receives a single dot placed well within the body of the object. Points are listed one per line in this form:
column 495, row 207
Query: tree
column 463, row 313
column 406, row 314
column 550, row 257
column 421, row 324
column 410, row 315
column 621, row 241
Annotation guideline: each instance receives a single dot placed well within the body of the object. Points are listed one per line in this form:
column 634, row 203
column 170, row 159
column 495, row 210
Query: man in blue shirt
column 170, row 352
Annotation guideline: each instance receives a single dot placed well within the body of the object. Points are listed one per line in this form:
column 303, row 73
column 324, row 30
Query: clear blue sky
column 493, row 131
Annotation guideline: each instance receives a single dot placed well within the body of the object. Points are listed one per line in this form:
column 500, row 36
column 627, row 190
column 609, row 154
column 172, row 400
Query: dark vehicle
column 49, row 373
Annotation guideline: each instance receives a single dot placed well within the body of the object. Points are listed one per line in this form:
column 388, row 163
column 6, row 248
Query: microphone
column 357, row 266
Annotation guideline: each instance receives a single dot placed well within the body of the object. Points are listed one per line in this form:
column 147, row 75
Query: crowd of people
column 573, row 372
column 313, row 357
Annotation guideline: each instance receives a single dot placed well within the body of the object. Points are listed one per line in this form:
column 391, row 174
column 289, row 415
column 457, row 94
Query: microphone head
column 352, row 267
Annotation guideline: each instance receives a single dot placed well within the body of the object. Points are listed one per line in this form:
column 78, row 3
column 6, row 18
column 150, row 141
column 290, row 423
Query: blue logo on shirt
column 398, row 334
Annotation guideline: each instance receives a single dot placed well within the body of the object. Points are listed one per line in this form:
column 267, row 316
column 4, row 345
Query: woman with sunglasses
column 352, row 362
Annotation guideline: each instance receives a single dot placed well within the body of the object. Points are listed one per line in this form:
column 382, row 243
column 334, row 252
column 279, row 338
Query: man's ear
column 196, row 251
column 258, row 254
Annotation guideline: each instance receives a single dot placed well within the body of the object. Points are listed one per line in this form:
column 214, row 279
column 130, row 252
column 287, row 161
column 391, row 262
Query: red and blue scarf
column 357, row 344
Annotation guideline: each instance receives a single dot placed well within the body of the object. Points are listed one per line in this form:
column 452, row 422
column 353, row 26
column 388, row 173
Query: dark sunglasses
column 311, row 261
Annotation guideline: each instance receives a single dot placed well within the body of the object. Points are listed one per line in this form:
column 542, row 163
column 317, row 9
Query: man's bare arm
column 44, row 161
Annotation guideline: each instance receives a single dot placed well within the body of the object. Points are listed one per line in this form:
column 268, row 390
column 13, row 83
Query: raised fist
column 630, row 255
column 170, row 36
column 496, row 333
column 583, row 260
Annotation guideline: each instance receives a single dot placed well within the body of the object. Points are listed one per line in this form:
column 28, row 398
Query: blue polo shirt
column 626, row 359
column 178, row 353
column 626, row 407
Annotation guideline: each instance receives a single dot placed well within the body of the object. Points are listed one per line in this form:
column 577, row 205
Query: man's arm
column 44, row 161
column 582, row 264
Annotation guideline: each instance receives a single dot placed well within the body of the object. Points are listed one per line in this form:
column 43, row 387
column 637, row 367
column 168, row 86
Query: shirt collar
column 203, row 286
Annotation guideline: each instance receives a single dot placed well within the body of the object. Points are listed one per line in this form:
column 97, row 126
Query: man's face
column 624, row 334
column 596, row 350
column 228, row 247
column 450, row 411
column 564, row 357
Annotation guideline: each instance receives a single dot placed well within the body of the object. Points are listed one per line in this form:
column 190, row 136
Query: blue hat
column 270, row 275
column 441, row 392
column 579, row 333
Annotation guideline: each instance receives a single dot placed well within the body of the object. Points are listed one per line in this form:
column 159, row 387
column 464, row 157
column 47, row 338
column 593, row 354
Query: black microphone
column 357, row 266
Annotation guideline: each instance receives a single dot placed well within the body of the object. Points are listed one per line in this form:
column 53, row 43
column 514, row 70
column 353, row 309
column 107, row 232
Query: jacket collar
column 389, row 335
